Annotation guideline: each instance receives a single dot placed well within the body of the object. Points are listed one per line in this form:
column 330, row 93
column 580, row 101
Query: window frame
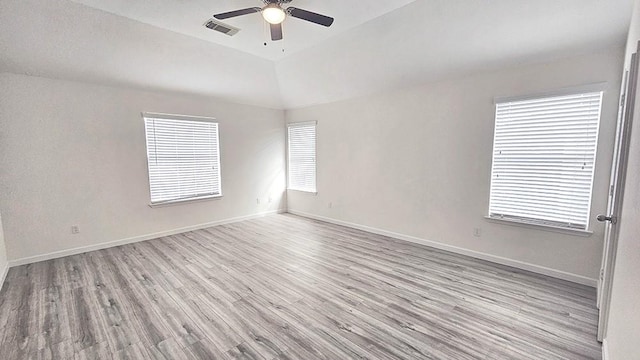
column 540, row 224
column 315, row 151
column 176, row 117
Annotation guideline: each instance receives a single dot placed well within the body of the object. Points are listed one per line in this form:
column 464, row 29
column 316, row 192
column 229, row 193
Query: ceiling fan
column 274, row 14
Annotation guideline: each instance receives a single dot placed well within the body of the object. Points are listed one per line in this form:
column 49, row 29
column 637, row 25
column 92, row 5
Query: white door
column 616, row 190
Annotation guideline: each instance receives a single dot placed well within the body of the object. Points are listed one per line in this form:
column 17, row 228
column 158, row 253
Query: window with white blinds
column 302, row 156
column 183, row 157
column 543, row 160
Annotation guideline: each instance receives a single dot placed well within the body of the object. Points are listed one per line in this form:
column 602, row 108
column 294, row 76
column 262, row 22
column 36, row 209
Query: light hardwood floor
column 285, row 287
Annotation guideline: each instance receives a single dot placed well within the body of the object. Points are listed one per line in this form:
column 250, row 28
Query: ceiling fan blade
column 235, row 13
column 310, row 16
column 276, row 32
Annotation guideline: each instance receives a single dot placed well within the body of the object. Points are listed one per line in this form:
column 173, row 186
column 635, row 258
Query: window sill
column 304, row 191
column 550, row 228
column 185, row 201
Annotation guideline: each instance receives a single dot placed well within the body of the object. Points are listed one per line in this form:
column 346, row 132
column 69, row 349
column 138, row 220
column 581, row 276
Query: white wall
column 74, row 154
column 623, row 330
column 418, row 161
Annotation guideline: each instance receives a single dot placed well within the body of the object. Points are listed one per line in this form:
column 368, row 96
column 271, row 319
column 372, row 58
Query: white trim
column 302, row 123
column 3, row 276
column 309, row 192
column 595, row 87
column 605, row 350
column 458, row 250
column 152, row 115
column 109, row 244
column 185, row 201
column 542, row 227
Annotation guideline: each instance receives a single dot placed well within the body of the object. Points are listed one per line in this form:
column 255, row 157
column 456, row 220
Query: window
column 302, row 156
column 183, row 157
column 543, row 160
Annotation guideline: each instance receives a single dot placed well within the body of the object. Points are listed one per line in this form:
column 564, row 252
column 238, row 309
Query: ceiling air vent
column 221, row 27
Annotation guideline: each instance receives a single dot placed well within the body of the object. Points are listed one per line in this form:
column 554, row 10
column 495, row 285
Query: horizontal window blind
column 302, row 157
column 183, row 158
column 543, row 159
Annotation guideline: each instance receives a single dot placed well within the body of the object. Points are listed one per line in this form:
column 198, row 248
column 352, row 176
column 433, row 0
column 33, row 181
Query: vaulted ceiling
column 187, row 18
column 373, row 45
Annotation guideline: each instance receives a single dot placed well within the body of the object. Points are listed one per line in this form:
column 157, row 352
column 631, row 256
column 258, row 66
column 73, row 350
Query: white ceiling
column 62, row 39
column 429, row 40
column 188, row 17
column 422, row 41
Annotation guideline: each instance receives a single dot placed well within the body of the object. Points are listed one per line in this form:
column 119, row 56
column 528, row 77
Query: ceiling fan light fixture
column 273, row 14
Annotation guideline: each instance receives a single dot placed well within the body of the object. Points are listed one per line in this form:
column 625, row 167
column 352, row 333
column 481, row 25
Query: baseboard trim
column 109, row 244
column 458, row 250
column 3, row 276
column 605, row 350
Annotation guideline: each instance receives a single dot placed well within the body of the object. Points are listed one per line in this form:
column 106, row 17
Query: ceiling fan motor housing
column 267, row 2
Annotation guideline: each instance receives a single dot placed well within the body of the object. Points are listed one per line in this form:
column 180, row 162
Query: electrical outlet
column 330, row 205
column 270, row 199
column 477, row 232
column 258, row 201
column 75, row 229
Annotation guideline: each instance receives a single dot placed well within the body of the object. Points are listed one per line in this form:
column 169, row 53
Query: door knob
column 603, row 218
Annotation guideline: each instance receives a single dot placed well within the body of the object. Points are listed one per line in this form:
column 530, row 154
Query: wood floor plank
column 286, row 287
column 216, row 331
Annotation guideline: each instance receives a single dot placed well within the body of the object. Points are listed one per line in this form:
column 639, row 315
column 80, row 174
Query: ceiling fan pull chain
column 283, row 26
column 265, row 25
